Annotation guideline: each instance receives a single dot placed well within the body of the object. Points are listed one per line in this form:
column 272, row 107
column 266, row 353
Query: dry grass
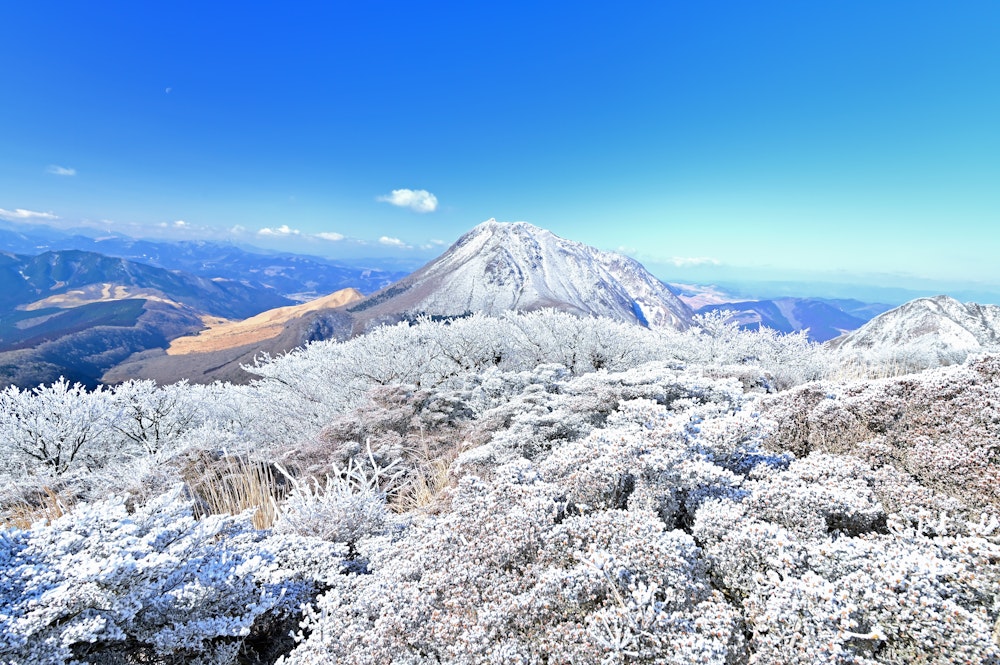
column 425, row 487
column 23, row 515
column 236, row 484
column 221, row 334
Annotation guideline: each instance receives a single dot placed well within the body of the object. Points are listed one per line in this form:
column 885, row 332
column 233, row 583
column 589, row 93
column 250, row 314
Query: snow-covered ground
column 517, row 489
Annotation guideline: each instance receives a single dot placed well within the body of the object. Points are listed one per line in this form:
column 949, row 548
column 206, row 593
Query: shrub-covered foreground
column 478, row 505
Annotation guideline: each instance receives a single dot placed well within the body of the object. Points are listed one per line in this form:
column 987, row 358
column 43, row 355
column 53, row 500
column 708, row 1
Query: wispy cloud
column 22, row 214
column 329, row 235
column 417, row 200
column 55, row 169
column 180, row 225
column 692, row 261
column 393, row 242
column 282, row 231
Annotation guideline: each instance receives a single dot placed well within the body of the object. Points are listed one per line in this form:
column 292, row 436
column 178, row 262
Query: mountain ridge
column 493, row 268
column 76, row 314
column 300, row 277
column 938, row 326
column 257, row 328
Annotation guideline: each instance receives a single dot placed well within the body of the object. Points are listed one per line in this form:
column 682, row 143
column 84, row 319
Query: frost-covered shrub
column 649, row 464
column 878, row 601
column 350, row 505
column 816, row 496
column 399, row 426
column 941, row 426
column 782, row 360
column 52, row 429
column 824, row 575
column 152, row 417
column 150, row 585
column 562, row 551
column 534, row 413
column 307, row 388
column 504, row 579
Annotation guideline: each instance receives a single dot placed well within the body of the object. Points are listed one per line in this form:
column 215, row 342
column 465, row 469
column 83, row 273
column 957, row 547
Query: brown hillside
column 222, row 335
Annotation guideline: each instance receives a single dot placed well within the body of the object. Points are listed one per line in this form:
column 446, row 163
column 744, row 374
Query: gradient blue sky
column 792, row 140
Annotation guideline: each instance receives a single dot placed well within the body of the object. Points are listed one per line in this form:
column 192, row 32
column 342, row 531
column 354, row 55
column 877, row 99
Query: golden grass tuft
column 23, row 515
column 234, row 485
column 425, row 487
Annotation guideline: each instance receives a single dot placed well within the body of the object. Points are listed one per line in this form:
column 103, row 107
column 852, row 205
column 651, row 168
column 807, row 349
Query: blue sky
column 776, row 140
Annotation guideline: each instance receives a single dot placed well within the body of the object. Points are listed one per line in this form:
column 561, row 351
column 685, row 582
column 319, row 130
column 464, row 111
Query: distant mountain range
column 823, row 319
column 495, row 267
column 294, row 276
column 76, row 314
column 63, row 279
column 198, row 310
column 76, row 306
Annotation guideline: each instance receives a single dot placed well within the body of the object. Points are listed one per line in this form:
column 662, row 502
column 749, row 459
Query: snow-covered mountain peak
column 939, row 325
column 500, row 266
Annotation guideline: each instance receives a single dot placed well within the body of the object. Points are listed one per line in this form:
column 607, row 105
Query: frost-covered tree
column 150, row 417
column 54, row 428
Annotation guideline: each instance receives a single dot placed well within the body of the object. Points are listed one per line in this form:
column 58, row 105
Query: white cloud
column 417, row 200
column 181, row 224
column 281, row 231
column 238, row 229
column 55, row 169
column 21, row 213
column 392, row 242
column 329, row 235
column 690, row 262
column 438, row 243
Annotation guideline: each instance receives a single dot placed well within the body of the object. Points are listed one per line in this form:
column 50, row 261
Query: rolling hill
column 76, row 314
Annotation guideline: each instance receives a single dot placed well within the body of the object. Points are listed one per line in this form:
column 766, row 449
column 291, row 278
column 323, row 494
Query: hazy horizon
column 714, row 142
column 740, row 282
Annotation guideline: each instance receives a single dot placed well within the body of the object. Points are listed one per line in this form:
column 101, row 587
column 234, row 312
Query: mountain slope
column 81, row 343
column 499, row 267
column 256, row 329
column 940, row 326
column 76, row 314
column 493, row 268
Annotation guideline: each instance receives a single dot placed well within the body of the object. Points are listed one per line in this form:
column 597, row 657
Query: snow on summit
column 499, row 267
column 940, row 326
